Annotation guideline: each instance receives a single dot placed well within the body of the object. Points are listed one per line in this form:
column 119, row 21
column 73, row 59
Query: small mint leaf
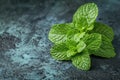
column 78, row 36
column 81, row 46
column 71, row 53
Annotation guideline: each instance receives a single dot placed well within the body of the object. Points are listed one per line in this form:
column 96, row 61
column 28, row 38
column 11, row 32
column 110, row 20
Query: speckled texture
column 24, row 44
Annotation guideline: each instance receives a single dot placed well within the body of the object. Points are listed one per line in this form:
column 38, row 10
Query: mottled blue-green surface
column 24, row 44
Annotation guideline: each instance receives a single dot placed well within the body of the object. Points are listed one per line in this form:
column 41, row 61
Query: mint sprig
column 77, row 40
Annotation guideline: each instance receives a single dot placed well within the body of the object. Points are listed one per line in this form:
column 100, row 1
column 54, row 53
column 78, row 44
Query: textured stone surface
column 24, row 44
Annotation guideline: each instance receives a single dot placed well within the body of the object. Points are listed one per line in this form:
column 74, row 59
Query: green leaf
column 104, row 29
column 71, row 53
column 59, row 52
column 78, row 36
column 81, row 46
column 85, row 16
column 106, row 49
column 93, row 41
column 82, row 61
column 58, row 32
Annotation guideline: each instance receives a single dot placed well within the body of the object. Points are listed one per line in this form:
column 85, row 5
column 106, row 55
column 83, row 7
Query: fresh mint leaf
column 93, row 41
column 106, row 49
column 71, row 53
column 85, row 16
column 78, row 36
column 104, row 30
column 59, row 52
column 82, row 61
column 58, row 32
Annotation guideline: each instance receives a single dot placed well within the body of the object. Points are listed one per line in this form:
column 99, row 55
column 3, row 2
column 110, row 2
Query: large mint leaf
column 103, row 29
column 59, row 51
column 106, row 49
column 82, row 61
column 58, row 32
column 85, row 16
column 93, row 41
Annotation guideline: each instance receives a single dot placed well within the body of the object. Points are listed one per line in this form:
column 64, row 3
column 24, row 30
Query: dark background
column 24, row 44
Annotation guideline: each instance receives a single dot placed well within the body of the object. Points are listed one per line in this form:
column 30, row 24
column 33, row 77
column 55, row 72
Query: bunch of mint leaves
column 83, row 37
